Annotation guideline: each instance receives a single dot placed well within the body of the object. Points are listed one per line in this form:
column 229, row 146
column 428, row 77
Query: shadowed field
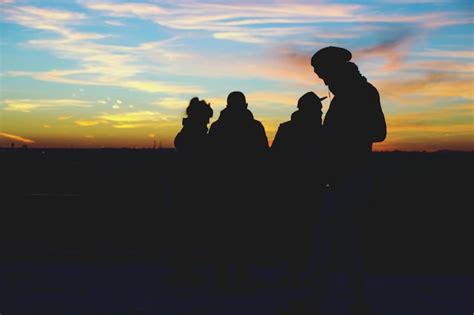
column 99, row 230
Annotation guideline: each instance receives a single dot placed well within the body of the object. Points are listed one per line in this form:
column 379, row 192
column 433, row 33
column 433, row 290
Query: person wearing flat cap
column 296, row 152
column 299, row 136
column 353, row 122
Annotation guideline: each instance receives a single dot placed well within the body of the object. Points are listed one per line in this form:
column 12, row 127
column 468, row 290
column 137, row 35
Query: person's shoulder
column 286, row 125
column 258, row 123
column 215, row 124
column 371, row 89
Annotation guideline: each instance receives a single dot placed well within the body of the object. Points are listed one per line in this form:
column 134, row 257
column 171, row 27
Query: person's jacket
column 237, row 132
column 352, row 124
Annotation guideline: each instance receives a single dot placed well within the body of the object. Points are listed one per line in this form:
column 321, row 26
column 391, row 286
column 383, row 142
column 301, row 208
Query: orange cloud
column 452, row 54
column 393, row 50
column 28, row 105
column 16, row 138
column 87, row 123
column 446, row 85
column 448, row 128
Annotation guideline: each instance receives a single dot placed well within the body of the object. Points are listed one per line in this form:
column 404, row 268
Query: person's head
column 236, row 100
column 199, row 110
column 310, row 102
column 330, row 64
column 309, row 109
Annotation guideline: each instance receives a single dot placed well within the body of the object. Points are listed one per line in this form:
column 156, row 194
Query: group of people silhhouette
column 300, row 198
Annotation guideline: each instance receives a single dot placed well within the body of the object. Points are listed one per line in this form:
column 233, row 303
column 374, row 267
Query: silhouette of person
column 296, row 152
column 236, row 132
column 188, row 237
column 239, row 144
column 354, row 121
column 301, row 135
column 193, row 138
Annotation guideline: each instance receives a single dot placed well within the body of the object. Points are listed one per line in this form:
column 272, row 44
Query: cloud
column 393, row 49
column 162, row 87
column 140, row 119
column 451, row 54
column 28, row 105
column 171, row 103
column 238, row 36
column 446, row 128
column 437, row 85
column 134, row 117
column 130, row 126
column 107, row 79
column 215, row 16
column 440, row 66
column 52, row 20
column 252, row 23
column 87, row 123
column 114, row 23
column 16, row 138
column 99, row 64
column 241, row 22
column 413, row 1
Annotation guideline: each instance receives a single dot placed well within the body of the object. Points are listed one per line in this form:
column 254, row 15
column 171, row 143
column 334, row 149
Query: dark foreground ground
column 90, row 232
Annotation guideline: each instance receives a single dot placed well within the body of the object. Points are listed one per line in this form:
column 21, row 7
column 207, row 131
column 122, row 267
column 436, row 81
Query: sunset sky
column 120, row 74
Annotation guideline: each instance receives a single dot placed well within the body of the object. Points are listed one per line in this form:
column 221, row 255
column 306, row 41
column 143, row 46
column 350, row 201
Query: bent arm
column 378, row 126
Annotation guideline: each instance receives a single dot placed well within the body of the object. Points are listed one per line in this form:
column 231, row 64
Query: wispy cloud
column 130, row 125
column 447, row 128
column 28, row 105
column 100, row 64
column 53, row 20
column 393, row 49
column 114, row 23
column 171, row 103
column 16, row 138
column 232, row 21
column 139, row 119
column 139, row 116
column 87, row 123
column 437, row 85
column 451, row 54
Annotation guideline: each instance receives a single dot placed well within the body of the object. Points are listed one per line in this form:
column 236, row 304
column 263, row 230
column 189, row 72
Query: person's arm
column 378, row 126
column 178, row 141
column 263, row 140
column 276, row 145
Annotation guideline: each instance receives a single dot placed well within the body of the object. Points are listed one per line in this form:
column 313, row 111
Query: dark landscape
column 98, row 232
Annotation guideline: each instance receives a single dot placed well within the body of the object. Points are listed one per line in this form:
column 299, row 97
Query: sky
column 83, row 73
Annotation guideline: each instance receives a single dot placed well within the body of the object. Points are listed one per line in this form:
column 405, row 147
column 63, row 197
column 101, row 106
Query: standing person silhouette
column 187, row 234
column 239, row 144
column 354, row 121
column 192, row 138
column 236, row 132
column 301, row 135
column 296, row 152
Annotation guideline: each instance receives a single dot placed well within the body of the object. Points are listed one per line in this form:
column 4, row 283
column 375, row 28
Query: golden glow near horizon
column 120, row 74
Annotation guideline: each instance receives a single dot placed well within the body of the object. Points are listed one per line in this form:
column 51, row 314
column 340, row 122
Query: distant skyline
column 120, row 74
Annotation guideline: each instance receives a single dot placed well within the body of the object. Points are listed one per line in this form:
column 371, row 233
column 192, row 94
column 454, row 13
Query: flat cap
column 330, row 55
column 309, row 100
